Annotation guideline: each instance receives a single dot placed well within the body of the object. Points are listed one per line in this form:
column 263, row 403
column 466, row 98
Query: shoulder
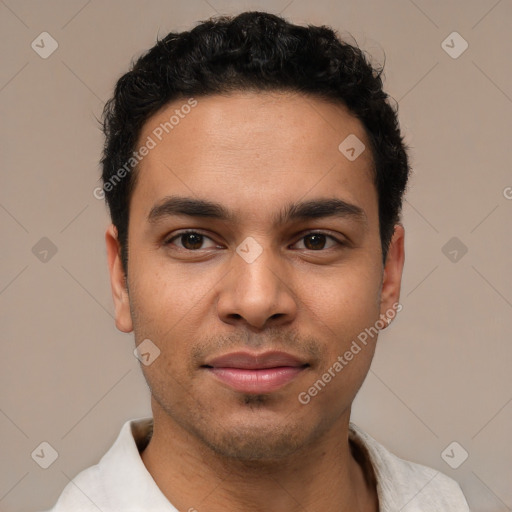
column 77, row 495
column 119, row 481
column 407, row 486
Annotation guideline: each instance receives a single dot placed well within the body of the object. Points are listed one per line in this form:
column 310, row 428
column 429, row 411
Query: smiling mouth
column 256, row 373
column 262, row 380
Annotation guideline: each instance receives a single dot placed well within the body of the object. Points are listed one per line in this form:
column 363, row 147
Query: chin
column 255, row 444
column 256, row 437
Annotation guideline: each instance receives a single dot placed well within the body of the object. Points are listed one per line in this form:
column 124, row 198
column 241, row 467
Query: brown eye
column 189, row 240
column 314, row 241
column 318, row 241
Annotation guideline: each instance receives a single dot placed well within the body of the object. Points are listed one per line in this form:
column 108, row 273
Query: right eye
column 190, row 240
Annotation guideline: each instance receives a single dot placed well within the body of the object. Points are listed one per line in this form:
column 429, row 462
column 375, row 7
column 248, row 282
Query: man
column 254, row 173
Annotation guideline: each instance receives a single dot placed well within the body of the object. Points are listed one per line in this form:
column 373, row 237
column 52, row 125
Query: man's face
column 262, row 280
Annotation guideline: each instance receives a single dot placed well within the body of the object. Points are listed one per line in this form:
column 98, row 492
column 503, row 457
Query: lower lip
column 264, row 380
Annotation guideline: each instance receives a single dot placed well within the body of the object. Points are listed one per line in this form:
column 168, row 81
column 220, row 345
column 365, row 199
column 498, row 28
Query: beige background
column 442, row 370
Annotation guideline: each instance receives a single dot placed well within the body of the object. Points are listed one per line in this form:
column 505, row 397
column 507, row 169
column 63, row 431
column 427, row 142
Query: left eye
column 317, row 241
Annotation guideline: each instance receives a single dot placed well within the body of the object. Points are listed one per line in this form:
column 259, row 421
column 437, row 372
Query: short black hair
column 253, row 51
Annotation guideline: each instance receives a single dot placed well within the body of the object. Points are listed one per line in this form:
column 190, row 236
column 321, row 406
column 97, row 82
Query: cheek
column 169, row 306
column 346, row 301
column 346, row 309
column 165, row 294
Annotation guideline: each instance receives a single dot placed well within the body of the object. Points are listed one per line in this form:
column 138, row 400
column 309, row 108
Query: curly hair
column 253, row 51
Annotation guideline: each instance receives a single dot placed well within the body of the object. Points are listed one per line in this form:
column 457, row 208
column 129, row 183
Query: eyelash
column 177, row 236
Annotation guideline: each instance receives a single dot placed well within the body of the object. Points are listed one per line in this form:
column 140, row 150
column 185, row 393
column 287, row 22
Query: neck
column 325, row 476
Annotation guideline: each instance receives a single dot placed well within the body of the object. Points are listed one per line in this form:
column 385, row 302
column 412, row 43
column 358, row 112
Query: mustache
column 304, row 346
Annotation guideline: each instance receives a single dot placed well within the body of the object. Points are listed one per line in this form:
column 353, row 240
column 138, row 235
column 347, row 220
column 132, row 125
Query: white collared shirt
column 120, row 481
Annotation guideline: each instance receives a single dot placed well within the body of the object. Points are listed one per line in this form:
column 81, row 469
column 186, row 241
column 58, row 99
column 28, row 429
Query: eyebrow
column 304, row 210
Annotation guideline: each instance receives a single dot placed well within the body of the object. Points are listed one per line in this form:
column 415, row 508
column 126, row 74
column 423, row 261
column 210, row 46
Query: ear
column 117, row 281
column 392, row 278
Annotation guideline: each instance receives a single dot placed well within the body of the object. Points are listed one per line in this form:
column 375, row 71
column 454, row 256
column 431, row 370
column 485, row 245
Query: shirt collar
column 126, row 477
column 124, row 474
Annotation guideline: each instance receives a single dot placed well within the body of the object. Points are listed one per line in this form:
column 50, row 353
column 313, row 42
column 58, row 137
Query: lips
column 248, row 361
column 255, row 373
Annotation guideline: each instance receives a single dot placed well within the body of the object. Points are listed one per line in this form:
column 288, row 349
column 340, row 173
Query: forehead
column 254, row 150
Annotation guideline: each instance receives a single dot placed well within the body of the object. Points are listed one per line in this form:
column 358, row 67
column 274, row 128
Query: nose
column 257, row 293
